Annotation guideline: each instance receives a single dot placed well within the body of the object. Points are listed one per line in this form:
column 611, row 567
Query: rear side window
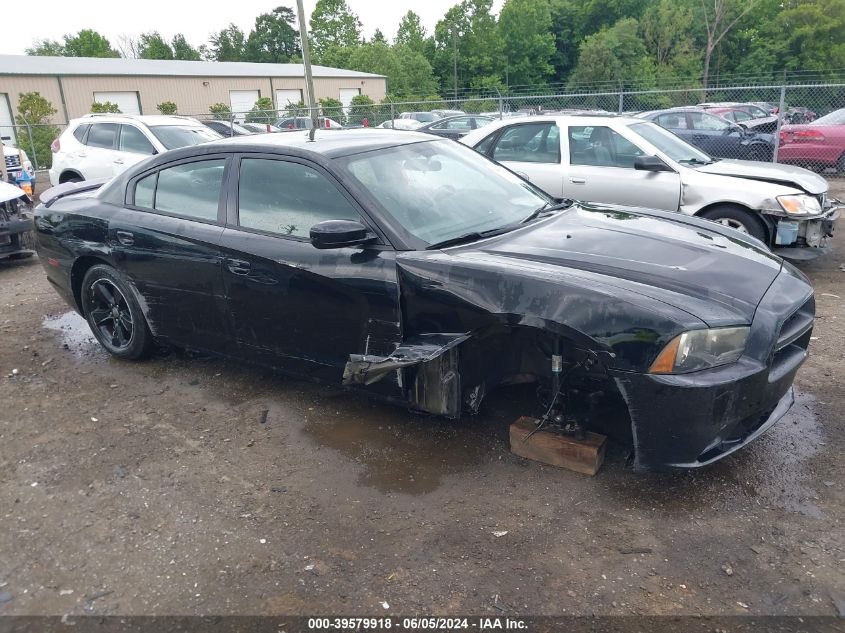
column 190, row 189
column 673, row 121
column 80, row 132
column 133, row 140
column 102, row 135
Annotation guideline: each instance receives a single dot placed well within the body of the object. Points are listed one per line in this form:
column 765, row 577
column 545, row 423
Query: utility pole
column 4, row 174
column 306, row 61
column 455, row 60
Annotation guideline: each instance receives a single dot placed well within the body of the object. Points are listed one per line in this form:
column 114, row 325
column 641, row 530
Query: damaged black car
column 417, row 270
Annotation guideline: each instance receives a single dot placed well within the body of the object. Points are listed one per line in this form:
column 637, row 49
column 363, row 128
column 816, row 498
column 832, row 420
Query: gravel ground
column 187, row 485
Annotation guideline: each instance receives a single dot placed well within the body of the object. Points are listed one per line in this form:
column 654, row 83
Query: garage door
column 346, row 95
column 127, row 102
column 242, row 101
column 6, row 129
column 284, row 98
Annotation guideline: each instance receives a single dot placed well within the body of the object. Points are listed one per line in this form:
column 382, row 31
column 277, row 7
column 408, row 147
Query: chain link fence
column 800, row 123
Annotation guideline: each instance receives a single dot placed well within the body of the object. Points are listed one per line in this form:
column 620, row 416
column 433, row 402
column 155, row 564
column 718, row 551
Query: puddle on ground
column 400, row 451
column 73, row 330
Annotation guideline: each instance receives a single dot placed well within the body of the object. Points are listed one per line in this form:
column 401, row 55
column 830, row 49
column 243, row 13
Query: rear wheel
column 740, row 219
column 114, row 315
column 761, row 153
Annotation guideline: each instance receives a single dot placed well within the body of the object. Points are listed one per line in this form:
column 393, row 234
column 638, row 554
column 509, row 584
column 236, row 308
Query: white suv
column 103, row 145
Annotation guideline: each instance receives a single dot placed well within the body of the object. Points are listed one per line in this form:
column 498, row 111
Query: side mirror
column 650, row 163
column 339, row 234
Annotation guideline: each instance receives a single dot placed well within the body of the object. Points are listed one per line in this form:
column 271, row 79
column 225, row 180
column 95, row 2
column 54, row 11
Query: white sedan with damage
column 628, row 161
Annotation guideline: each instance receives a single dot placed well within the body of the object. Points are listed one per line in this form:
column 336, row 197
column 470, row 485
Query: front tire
column 740, row 219
column 113, row 314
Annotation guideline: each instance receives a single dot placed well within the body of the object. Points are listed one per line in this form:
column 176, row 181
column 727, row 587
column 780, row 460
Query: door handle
column 578, row 181
column 118, row 161
column 82, row 154
column 238, row 267
column 125, row 237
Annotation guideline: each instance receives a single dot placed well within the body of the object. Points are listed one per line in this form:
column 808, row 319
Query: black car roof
column 328, row 143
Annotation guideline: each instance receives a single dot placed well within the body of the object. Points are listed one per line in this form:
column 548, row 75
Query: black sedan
column 422, row 272
column 455, row 127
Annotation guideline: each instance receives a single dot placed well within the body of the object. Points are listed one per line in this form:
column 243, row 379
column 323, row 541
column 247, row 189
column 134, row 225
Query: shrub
column 262, row 111
column 167, row 107
column 362, row 107
column 221, row 111
column 333, row 109
column 105, row 107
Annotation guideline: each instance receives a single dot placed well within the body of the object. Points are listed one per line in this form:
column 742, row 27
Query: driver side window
column 701, row 121
column 529, row 143
column 287, row 198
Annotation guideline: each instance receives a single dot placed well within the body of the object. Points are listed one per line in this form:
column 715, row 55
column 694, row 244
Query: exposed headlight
column 800, row 205
column 700, row 349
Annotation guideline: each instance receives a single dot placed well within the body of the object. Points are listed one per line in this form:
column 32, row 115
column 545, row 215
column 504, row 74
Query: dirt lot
column 162, row 487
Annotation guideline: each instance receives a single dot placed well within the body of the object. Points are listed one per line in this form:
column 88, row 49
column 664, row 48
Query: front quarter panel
column 700, row 190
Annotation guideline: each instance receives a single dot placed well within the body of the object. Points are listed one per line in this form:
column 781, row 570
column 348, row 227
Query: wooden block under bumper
column 584, row 456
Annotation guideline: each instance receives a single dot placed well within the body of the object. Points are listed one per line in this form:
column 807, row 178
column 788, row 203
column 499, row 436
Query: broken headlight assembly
column 700, row 349
column 800, row 205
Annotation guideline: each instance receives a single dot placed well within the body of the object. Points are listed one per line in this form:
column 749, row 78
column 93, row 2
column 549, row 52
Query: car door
column 292, row 305
column 166, row 241
column 133, row 146
column 600, row 168
column 532, row 149
column 97, row 158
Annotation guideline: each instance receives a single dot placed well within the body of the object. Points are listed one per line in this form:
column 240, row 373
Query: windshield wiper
column 695, row 161
column 471, row 237
column 548, row 207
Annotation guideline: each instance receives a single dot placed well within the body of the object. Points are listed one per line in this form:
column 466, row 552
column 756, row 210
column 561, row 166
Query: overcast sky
column 196, row 20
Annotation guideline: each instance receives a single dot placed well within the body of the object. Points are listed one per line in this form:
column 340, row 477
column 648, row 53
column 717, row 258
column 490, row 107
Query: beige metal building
column 72, row 84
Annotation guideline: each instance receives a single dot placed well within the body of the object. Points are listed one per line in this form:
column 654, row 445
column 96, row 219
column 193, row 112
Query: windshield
column 424, row 117
column 837, row 117
column 173, row 136
column 673, row 146
column 440, row 190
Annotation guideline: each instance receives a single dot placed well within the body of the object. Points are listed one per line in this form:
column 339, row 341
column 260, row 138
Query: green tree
column 183, row 50
column 88, row 43
column 333, row 24
column 378, row 36
column 412, row 33
column 667, row 32
column 407, row 71
column 468, row 34
column 525, row 28
column 616, row 54
column 274, row 38
column 36, row 111
column 227, row 45
column 220, row 111
column 167, row 107
column 46, row 47
column 153, row 46
column 105, row 107
column 718, row 22
column 262, row 111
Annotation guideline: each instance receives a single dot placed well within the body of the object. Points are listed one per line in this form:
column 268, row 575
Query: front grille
column 793, row 341
column 13, row 161
column 796, row 328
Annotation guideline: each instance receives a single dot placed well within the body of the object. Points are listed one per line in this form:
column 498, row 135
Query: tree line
column 542, row 44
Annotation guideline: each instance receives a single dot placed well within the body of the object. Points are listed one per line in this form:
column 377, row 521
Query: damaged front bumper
column 805, row 240
column 11, row 231
column 691, row 420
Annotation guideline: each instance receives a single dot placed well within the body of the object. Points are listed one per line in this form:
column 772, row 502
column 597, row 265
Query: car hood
column 691, row 270
column 769, row 172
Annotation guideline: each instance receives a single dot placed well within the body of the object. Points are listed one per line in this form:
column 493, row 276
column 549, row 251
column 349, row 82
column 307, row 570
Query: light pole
column 306, row 62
